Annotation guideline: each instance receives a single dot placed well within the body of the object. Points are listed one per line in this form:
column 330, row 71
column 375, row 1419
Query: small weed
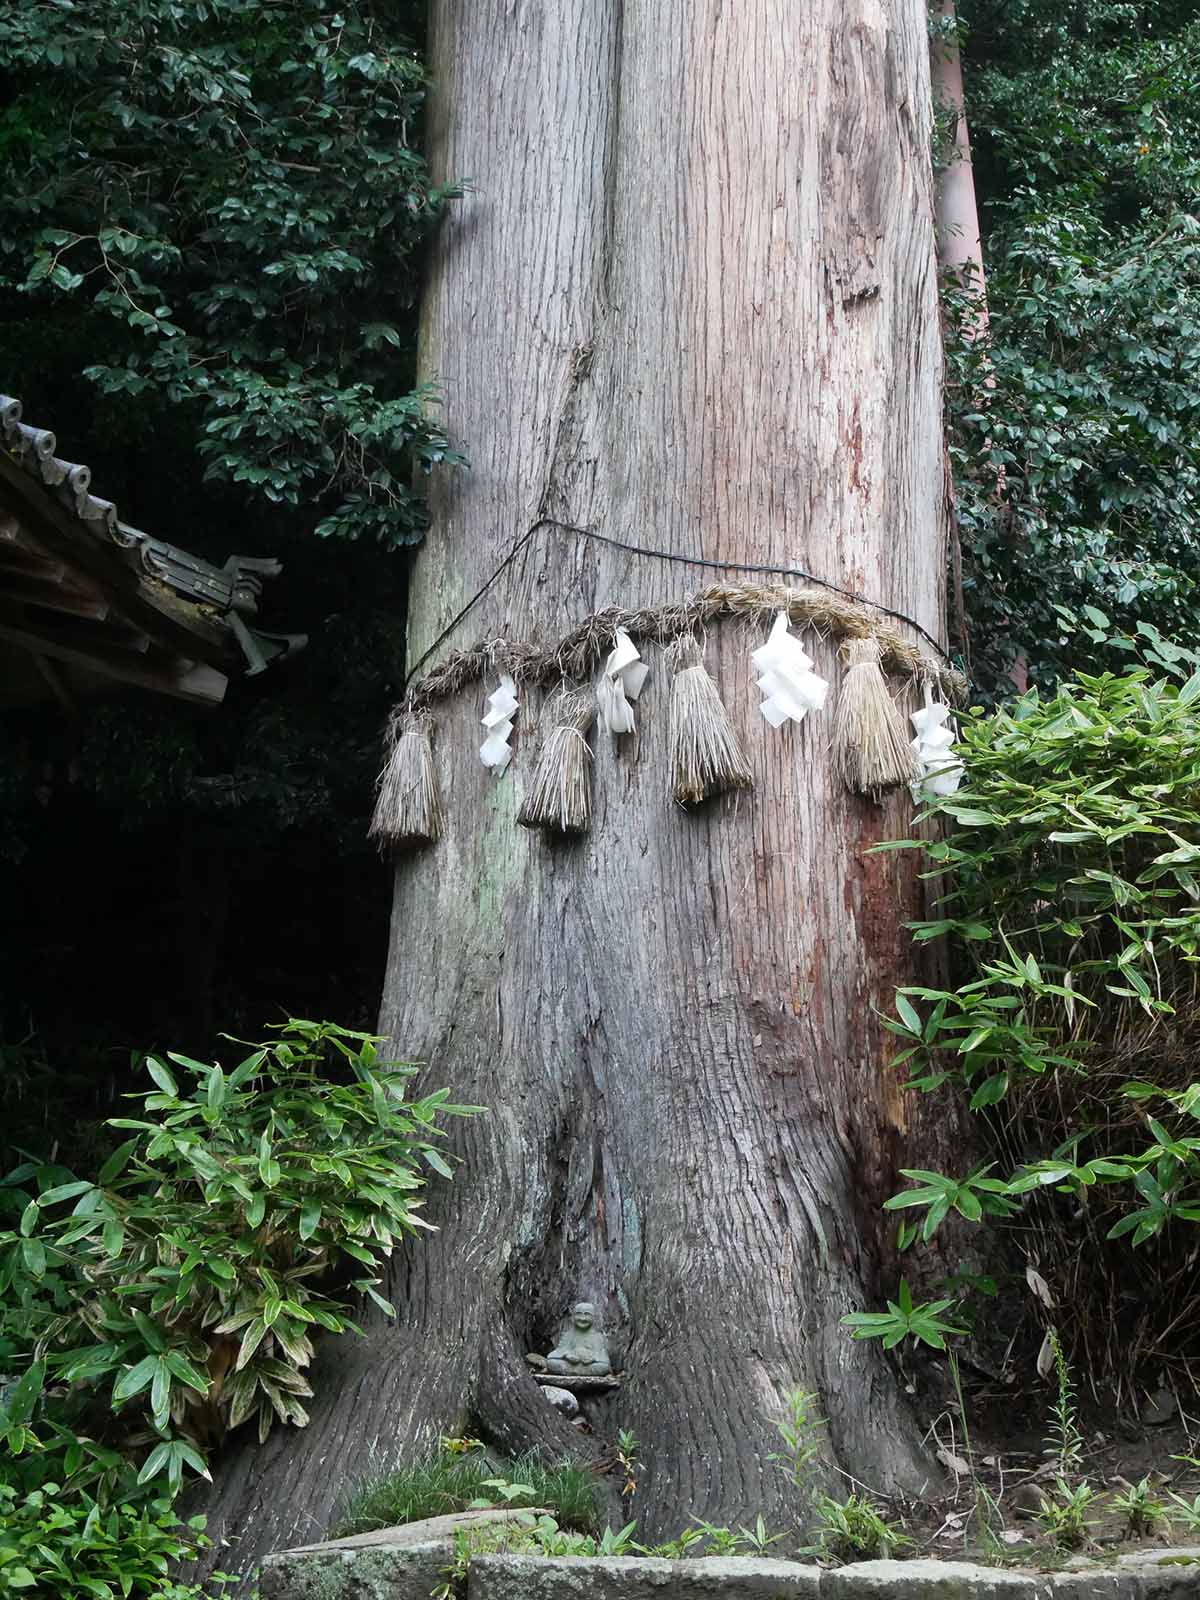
column 528, row 1534
column 502, row 1490
column 902, row 1319
column 727, row 1542
column 720, row 1541
column 1188, row 1512
column 532, row 1533
column 1064, row 1441
column 1143, row 1511
column 678, row 1548
column 627, row 1455
column 802, row 1432
column 756, row 1539
column 1064, row 1515
column 856, row 1528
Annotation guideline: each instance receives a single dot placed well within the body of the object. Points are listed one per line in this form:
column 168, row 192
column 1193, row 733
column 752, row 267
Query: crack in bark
column 612, row 160
column 566, row 412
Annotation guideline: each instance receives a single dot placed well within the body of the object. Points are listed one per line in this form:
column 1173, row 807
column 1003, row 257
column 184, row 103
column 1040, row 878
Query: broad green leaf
column 155, row 1462
column 974, row 1040
column 990, row 1091
column 116, row 1162
column 136, row 1379
column 251, row 1339
column 149, row 1330
column 908, row 1014
column 160, row 1393
column 186, row 1371
column 438, row 1163
column 24, row 1395
column 63, row 1191
column 162, row 1077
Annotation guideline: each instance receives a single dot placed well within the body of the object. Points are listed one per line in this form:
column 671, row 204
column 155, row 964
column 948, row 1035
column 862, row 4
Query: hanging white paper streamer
column 620, row 684
column 941, row 772
column 790, row 687
column 495, row 752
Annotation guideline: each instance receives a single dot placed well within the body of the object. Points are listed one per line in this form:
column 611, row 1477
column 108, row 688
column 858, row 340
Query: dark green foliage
column 74, row 1548
column 1067, row 882
column 223, row 203
column 1087, row 143
column 203, row 1248
column 446, row 1481
column 145, row 1313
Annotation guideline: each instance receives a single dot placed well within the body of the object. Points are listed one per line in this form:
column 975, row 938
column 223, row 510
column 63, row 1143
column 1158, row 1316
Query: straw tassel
column 871, row 751
column 560, row 798
column 408, row 812
column 705, row 754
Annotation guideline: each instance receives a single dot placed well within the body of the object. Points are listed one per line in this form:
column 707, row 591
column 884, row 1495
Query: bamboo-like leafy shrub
column 1069, row 882
column 200, row 1259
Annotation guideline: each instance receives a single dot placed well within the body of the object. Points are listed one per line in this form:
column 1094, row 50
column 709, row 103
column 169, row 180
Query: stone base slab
column 409, row 1563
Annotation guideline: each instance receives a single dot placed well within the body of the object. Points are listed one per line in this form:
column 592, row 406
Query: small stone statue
column 582, row 1349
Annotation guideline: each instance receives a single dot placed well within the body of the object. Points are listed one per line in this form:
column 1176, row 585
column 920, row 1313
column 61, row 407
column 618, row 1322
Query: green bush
column 77, row 1550
column 857, row 1529
column 1069, row 887
column 74, row 1519
column 199, row 1259
column 147, row 1313
column 1070, row 877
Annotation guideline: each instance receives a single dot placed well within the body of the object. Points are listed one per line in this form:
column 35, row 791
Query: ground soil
column 1006, row 1454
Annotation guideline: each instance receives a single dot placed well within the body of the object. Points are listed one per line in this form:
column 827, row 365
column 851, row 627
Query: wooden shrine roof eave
column 88, row 598
column 178, row 677
column 152, row 607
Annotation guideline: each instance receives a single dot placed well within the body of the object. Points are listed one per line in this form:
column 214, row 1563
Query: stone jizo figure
column 582, row 1349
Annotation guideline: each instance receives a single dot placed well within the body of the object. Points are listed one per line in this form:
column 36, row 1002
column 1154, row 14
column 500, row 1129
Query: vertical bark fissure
column 612, row 160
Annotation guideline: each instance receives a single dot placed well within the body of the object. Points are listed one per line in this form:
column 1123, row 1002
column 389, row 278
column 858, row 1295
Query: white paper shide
column 620, row 684
column 790, row 687
column 941, row 772
column 500, row 707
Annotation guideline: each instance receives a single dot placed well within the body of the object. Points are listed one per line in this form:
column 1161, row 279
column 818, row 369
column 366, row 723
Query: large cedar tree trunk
column 689, row 301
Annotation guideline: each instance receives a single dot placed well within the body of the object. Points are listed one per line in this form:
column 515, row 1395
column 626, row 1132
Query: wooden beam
column 58, row 685
column 20, row 553
column 52, row 594
column 28, row 564
column 184, row 679
column 76, row 632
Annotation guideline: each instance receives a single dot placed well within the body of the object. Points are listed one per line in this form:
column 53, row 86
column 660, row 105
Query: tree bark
column 690, row 302
column 960, row 248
